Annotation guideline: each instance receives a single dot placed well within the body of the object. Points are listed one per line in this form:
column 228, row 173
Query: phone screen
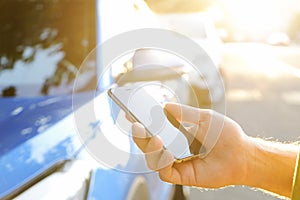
column 140, row 105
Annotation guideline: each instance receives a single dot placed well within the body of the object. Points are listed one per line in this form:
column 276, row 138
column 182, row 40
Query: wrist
column 271, row 166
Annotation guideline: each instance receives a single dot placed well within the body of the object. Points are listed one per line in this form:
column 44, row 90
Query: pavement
column 263, row 96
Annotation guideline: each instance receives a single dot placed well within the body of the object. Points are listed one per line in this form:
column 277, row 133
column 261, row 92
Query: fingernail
column 138, row 130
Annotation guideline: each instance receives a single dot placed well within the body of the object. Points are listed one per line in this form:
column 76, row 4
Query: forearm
column 271, row 166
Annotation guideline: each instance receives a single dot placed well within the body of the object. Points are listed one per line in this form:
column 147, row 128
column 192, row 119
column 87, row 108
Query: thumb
column 184, row 113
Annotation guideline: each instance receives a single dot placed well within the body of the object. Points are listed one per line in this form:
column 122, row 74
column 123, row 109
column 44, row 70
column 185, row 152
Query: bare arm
column 236, row 159
column 272, row 166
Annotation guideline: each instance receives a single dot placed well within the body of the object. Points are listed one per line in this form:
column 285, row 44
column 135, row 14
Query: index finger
column 157, row 156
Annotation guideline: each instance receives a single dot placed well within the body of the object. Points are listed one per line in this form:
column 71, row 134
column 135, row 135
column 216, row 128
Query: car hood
column 36, row 134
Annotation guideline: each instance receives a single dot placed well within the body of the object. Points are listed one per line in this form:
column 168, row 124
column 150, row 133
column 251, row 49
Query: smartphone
column 140, row 106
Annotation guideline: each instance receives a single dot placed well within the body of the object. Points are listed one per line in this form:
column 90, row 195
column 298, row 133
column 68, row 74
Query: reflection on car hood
column 35, row 134
column 23, row 118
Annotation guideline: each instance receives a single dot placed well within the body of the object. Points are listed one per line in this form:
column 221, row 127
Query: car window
column 43, row 43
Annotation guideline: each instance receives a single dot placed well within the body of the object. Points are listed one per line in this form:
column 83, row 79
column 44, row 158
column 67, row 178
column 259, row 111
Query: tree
column 43, row 23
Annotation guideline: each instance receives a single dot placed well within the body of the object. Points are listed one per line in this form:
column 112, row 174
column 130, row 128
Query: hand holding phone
column 141, row 107
column 226, row 164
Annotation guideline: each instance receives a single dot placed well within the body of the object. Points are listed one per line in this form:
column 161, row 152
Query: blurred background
column 276, row 22
column 261, row 67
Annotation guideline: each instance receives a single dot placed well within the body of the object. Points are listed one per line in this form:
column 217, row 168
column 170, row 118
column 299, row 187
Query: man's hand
column 226, row 164
column 235, row 158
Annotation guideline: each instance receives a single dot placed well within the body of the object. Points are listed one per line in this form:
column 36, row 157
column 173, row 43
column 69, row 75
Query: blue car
column 42, row 156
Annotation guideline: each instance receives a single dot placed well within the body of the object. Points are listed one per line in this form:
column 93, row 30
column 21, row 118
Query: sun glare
column 258, row 17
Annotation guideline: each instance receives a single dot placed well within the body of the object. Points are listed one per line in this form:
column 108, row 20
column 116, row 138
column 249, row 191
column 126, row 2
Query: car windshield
column 43, row 43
